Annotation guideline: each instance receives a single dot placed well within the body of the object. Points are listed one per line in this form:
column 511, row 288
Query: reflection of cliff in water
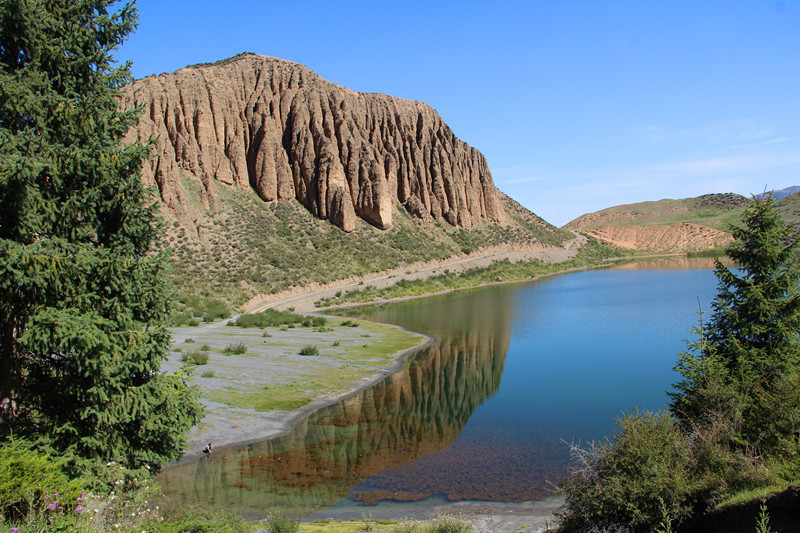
column 411, row 414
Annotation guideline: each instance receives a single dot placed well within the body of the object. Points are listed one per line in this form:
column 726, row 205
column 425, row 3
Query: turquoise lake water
column 483, row 415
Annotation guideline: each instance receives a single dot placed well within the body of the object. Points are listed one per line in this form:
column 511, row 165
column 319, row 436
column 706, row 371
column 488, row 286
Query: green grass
column 318, row 380
column 250, row 247
column 237, row 348
column 309, row 350
column 592, row 253
column 195, row 358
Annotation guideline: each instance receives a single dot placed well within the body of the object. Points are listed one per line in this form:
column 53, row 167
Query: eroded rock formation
column 276, row 126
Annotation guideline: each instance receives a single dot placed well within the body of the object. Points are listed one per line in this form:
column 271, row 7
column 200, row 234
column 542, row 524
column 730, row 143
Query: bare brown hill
column 685, row 225
column 278, row 128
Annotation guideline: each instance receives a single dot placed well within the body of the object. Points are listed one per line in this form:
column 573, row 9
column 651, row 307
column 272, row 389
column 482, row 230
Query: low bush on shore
column 195, row 358
column 309, row 350
column 237, row 348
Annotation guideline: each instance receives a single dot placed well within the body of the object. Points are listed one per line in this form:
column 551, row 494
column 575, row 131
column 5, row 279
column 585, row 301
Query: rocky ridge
column 278, row 128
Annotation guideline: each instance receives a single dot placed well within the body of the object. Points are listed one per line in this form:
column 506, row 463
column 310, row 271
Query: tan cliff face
column 277, row 127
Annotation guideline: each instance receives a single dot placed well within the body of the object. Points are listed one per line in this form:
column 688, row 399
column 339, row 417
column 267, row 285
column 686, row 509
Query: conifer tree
column 746, row 362
column 82, row 292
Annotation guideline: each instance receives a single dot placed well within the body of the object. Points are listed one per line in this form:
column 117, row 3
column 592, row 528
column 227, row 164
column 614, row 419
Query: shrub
column 31, row 479
column 215, row 309
column 195, row 358
column 282, row 524
column 189, row 341
column 632, row 482
column 309, row 350
column 268, row 318
column 235, row 349
column 205, row 348
column 349, row 323
column 209, row 374
column 197, row 520
column 450, row 524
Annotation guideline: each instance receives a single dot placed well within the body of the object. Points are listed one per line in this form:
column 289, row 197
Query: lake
column 483, row 416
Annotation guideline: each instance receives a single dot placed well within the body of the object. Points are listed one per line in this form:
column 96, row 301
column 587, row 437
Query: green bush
column 278, row 523
column 205, row 348
column 309, row 350
column 196, row 520
column 235, row 349
column 632, row 482
column 214, row 309
column 31, row 480
column 195, row 358
column 268, row 318
column 209, row 374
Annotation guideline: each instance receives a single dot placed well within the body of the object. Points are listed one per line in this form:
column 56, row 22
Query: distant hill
column 685, row 225
column 783, row 193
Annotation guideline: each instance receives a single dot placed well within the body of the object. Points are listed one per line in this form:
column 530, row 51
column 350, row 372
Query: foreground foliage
column 735, row 413
column 82, row 296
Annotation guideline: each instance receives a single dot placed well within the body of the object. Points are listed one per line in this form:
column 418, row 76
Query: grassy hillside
column 716, row 211
column 227, row 251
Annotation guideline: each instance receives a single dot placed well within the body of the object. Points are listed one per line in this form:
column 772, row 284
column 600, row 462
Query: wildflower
column 51, row 506
column 80, row 499
column 78, row 509
column 15, row 529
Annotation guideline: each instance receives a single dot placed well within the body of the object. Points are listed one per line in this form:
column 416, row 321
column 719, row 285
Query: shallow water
column 481, row 416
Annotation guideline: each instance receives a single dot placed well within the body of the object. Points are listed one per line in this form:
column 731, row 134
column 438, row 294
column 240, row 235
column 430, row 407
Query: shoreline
column 260, row 426
column 254, row 426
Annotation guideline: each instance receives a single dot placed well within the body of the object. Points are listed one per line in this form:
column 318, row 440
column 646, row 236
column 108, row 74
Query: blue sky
column 577, row 105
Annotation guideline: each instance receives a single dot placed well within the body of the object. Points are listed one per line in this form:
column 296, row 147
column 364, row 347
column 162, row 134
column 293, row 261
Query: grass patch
column 209, row 374
column 309, row 350
column 268, row 318
column 320, row 379
column 279, row 523
column 592, row 253
column 195, row 358
column 237, row 348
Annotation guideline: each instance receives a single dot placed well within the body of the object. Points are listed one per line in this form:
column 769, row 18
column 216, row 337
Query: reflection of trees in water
column 411, row 414
column 673, row 262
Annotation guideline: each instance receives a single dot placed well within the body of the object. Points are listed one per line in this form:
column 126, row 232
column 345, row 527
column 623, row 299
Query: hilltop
column 270, row 178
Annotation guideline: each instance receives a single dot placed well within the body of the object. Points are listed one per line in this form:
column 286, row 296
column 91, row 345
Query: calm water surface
column 481, row 416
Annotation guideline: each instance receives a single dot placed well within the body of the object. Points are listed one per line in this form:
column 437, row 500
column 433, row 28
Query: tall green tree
column 82, row 291
column 745, row 365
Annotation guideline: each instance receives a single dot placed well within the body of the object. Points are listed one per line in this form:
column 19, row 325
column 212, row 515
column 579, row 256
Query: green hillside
column 226, row 253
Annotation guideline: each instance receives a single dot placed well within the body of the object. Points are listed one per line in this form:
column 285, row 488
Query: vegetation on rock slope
column 240, row 247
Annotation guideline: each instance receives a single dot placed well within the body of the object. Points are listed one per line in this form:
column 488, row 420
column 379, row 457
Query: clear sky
column 577, row 105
